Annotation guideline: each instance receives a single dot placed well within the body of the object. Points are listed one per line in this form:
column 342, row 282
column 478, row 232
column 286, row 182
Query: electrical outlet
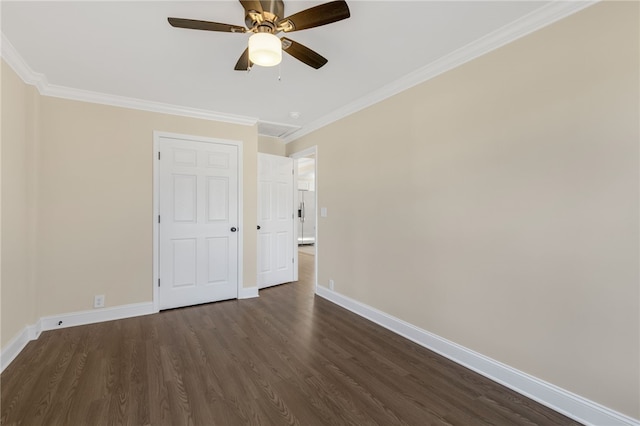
column 330, row 284
column 98, row 301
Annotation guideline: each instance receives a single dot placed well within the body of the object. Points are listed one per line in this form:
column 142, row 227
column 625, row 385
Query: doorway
column 307, row 205
column 307, row 211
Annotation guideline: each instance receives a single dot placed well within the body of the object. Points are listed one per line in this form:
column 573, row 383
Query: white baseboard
column 96, row 315
column 17, row 344
column 32, row 332
column 248, row 293
column 561, row 400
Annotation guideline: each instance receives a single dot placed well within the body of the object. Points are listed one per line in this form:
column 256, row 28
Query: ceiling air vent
column 275, row 130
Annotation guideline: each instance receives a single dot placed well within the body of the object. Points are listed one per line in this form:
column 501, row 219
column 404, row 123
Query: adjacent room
column 309, row 212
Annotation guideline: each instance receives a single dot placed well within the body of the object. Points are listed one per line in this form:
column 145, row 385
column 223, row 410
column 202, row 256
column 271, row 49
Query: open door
column 276, row 238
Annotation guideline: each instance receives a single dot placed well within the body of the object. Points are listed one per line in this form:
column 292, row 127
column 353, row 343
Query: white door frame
column 305, row 152
column 157, row 136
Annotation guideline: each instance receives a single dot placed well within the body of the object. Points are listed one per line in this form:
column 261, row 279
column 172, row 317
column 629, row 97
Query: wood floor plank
column 285, row 358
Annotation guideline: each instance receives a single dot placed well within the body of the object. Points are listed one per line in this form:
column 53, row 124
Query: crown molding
column 15, row 61
column 539, row 18
column 144, row 105
column 545, row 15
column 19, row 65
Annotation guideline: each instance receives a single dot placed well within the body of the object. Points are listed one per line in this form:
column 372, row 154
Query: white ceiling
column 127, row 49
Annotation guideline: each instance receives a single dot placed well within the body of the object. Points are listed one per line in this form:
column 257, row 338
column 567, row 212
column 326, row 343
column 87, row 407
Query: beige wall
column 20, row 105
column 96, row 201
column 94, row 180
column 497, row 205
column 270, row 145
column 1, row 341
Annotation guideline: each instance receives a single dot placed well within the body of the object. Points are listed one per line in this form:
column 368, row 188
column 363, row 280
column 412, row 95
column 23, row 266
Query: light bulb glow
column 265, row 49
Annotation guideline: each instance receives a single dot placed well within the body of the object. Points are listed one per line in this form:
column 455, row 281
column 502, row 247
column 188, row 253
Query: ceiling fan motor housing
column 272, row 11
column 273, row 7
column 266, row 27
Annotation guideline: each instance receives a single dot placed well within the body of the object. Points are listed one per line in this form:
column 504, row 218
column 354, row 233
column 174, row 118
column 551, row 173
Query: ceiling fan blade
column 193, row 24
column 251, row 5
column 303, row 53
column 315, row 16
column 243, row 63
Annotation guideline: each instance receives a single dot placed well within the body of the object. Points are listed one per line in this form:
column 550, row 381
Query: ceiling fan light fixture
column 265, row 49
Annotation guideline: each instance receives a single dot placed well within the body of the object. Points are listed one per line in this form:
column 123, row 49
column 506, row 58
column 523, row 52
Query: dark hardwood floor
column 285, row 358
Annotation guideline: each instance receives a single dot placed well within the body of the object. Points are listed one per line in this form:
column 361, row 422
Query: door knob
column 234, row 229
column 258, row 227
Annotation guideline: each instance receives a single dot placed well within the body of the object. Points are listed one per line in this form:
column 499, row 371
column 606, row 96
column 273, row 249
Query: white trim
column 32, row 332
column 19, row 65
column 156, row 226
column 561, row 400
column 144, row 105
column 157, row 136
column 248, row 292
column 527, row 24
column 17, row 344
column 296, row 220
column 241, row 229
column 96, row 315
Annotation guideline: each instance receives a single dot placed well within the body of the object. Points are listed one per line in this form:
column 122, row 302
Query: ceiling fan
column 264, row 19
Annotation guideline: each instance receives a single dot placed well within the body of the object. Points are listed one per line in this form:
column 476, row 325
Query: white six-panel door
column 198, row 229
column 276, row 221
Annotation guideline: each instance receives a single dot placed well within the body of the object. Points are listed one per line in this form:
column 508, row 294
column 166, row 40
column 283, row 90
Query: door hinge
column 292, row 260
column 158, row 218
column 158, row 282
column 158, row 155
